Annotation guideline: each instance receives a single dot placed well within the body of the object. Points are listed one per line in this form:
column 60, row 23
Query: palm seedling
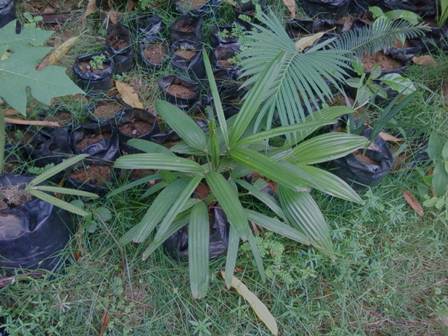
column 221, row 158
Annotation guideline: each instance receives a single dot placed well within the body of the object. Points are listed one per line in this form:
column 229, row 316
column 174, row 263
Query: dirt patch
column 225, row 63
column 107, row 110
column 62, row 118
column 360, row 156
column 202, row 191
column 97, row 175
column 90, row 139
column 155, row 53
column 135, row 128
column 180, row 91
column 117, row 43
column 186, row 54
column 12, row 197
column 185, row 26
column 385, row 62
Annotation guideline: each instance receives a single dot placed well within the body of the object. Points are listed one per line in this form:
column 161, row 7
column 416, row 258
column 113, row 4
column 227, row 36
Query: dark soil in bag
column 187, row 56
column 32, row 232
column 177, row 245
column 366, row 167
column 92, row 176
column 104, row 112
column 119, row 47
column 153, row 52
column 90, row 78
column 186, row 27
column 179, row 91
column 7, row 12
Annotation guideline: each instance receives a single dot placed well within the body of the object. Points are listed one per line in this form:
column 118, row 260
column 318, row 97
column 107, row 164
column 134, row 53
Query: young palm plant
column 303, row 78
column 222, row 158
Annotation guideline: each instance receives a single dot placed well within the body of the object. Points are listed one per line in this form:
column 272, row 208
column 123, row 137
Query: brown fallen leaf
column 413, row 203
column 308, row 41
column 128, row 95
column 57, row 54
column 90, row 9
column 113, row 17
column 291, row 5
column 389, row 138
column 104, row 323
column 259, row 307
column 424, row 60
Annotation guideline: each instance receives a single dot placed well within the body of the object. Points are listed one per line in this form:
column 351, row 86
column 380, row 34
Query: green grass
column 389, row 278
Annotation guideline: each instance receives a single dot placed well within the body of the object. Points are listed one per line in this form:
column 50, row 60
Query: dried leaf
column 308, row 41
column 57, row 54
column 291, row 5
column 413, row 203
column 113, row 17
column 44, row 123
column 104, row 323
column 130, row 5
column 259, row 307
column 128, row 95
column 90, row 9
column 424, row 60
column 388, row 137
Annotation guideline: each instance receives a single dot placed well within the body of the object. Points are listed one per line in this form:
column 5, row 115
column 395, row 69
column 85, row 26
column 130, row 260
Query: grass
column 390, row 276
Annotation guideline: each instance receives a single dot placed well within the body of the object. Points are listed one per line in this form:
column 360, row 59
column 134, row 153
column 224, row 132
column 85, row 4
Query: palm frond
column 382, row 34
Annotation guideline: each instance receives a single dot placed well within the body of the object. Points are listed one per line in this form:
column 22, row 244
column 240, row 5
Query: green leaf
column 274, row 225
column 303, row 212
column 148, row 146
column 18, row 70
column 65, row 191
column 182, row 124
column 267, row 199
column 281, row 172
column 156, row 212
column 103, row 214
column 399, row 84
column 155, row 188
column 133, row 184
column 158, row 161
column 198, row 256
column 57, row 169
column 327, row 147
column 216, row 99
column 435, row 146
column 440, row 179
column 232, row 254
column 257, row 256
column 330, row 184
column 445, row 151
column 58, row 202
column 228, row 199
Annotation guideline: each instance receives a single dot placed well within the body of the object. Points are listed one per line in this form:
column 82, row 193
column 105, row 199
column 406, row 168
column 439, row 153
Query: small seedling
column 97, row 62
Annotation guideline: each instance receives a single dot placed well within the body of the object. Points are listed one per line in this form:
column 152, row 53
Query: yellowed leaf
column 57, row 54
column 259, row 307
column 128, row 95
column 308, row 41
column 413, row 203
column 90, row 9
column 389, row 138
column 291, row 5
column 424, row 60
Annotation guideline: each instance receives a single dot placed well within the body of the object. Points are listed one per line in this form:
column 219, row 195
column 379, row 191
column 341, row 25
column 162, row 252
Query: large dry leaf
column 424, row 60
column 291, row 5
column 259, row 307
column 90, row 9
column 413, row 203
column 389, row 137
column 128, row 95
column 308, row 41
column 57, row 54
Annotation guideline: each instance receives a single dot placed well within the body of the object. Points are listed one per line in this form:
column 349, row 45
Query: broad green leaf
column 303, row 212
column 257, row 255
column 158, row 161
column 440, row 179
column 58, row 202
column 214, row 149
column 445, row 151
column 216, row 99
column 327, row 147
column 435, row 146
column 269, row 168
column 155, row 188
column 228, row 199
column 329, row 183
column 148, row 146
column 183, row 148
column 263, row 197
column 399, row 84
column 198, row 242
column 156, row 212
column 19, row 56
column 65, row 191
column 57, row 169
column 133, row 184
column 232, row 254
column 274, row 225
column 182, row 124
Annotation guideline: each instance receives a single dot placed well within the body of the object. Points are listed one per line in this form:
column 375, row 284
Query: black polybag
column 123, row 58
column 148, row 26
column 91, row 185
column 195, row 66
column 7, row 12
column 144, row 44
column 177, row 245
column 33, row 233
column 420, row 7
column 351, row 169
column 91, row 81
column 183, row 103
column 186, row 27
column 326, row 8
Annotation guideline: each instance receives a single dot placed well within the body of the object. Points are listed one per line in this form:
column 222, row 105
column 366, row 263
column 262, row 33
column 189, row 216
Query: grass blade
column 65, row 191
column 232, row 254
column 58, row 203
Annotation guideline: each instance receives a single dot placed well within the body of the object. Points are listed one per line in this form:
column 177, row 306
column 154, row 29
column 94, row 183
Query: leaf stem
column 2, row 140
